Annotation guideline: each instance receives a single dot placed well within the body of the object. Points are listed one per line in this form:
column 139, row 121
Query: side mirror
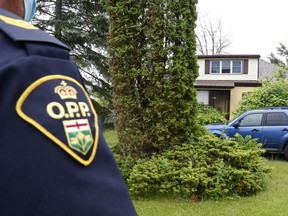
column 236, row 125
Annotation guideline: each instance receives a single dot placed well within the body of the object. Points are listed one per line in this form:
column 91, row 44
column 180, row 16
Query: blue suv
column 269, row 125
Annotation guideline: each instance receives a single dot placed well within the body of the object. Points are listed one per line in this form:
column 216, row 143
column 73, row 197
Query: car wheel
column 286, row 152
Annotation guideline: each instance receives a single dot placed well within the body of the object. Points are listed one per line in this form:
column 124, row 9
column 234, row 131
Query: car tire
column 286, row 152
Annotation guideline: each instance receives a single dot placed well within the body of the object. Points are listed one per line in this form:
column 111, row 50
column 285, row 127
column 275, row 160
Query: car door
column 274, row 128
column 251, row 124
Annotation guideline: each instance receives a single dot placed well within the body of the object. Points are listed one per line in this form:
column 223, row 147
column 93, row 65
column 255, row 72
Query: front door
column 220, row 100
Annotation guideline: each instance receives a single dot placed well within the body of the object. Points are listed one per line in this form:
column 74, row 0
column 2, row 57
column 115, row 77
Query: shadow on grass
column 274, row 156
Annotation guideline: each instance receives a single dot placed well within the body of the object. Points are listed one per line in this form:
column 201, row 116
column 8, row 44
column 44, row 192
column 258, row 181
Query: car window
column 251, row 120
column 276, row 119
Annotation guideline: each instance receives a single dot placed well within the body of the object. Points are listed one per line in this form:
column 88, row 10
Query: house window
column 215, row 67
column 226, row 67
column 202, row 97
column 236, row 67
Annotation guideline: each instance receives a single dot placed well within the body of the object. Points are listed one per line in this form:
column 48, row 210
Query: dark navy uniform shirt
column 54, row 160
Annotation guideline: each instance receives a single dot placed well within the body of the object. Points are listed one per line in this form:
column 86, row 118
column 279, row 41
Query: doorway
column 220, row 100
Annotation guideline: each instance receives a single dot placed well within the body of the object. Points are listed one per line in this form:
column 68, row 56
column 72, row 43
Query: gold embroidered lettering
column 55, row 110
column 72, row 109
column 84, row 109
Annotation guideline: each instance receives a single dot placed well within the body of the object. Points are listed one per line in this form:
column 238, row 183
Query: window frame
column 221, row 68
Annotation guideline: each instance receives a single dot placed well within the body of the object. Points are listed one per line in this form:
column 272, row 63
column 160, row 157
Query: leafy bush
column 208, row 168
column 126, row 164
column 209, row 115
column 274, row 92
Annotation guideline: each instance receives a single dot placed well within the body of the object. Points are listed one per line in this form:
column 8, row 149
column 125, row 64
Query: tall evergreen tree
column 153, row 67
column 82, row 25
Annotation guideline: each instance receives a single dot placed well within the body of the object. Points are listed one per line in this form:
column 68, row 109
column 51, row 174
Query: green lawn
column 271, row 202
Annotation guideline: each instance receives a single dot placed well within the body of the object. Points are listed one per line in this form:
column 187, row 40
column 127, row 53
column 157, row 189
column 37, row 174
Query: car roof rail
column 279, row 107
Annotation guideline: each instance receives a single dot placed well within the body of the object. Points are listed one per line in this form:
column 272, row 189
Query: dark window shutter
column 211, row 95
column 207, row 67
column 245, row 66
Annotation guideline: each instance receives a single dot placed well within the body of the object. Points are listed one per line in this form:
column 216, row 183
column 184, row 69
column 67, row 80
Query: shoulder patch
column 59, row 107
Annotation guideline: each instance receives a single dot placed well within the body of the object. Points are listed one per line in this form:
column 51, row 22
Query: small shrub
column 208, row 168
column 209, row 115
column 125, row 164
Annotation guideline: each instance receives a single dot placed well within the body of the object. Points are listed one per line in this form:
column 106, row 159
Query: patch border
column 43, row 130
column 17, row 22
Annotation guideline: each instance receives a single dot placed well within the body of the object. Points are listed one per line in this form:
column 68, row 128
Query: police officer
column 53, row 157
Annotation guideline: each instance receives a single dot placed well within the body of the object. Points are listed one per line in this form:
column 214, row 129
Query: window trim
column 231, row 66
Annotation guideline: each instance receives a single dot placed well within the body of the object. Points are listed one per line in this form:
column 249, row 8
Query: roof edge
column 228, row 56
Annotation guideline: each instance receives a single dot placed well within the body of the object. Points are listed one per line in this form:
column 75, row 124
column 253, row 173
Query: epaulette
column 19, row 30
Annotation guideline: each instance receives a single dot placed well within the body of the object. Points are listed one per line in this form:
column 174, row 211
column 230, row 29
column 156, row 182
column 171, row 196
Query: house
column 224, row 79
